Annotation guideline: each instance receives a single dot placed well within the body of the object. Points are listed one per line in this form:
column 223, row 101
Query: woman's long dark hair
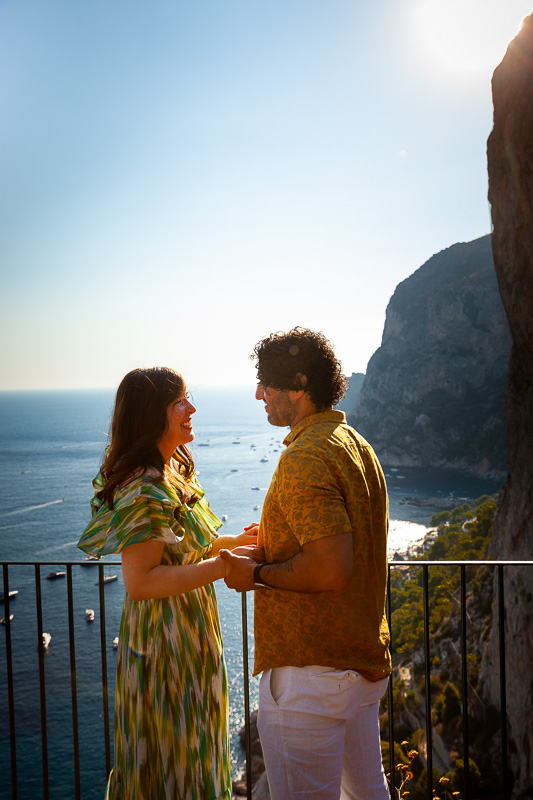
column 139, row 422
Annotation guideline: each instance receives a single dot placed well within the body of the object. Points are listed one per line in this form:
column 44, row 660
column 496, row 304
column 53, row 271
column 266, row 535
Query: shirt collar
column 337, row 417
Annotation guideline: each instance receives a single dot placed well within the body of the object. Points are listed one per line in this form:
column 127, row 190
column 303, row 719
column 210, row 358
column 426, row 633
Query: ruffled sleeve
column 147, row 509
column 139, row 515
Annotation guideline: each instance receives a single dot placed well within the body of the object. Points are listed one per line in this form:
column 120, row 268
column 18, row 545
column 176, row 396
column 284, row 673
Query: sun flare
column 468, row 36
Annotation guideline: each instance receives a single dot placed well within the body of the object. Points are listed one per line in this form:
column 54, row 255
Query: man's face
column 278, row 405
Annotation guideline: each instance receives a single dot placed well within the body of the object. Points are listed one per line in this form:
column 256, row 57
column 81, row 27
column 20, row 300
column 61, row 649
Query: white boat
column 89, row 613
column 265, row 458
column 12, row 593
column 224, row 517
column 47, row 638
column 256, row 508
column 89, row 561
column 115, row 642
column 4, row 619
column 108, row 579
column 53, row 575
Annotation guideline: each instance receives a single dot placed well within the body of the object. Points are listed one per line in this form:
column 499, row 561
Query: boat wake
column 32, row 508
column 78, row 444
column 55, row 548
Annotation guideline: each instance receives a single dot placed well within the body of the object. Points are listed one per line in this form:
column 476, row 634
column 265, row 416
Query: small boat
column 224, row 517
column 234, row 470
column 47, row 638
column 203, row 444
column 4, row 619
column 12, row 593
column 236, row 441
column 115, row 642
column 108, row 579
column 89, row 613
column 265, row 458
column 255, row 488
column 89, row 561
column 52, row 576
column 256, row 508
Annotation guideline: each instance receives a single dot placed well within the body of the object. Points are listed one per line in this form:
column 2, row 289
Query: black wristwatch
column 258, row 583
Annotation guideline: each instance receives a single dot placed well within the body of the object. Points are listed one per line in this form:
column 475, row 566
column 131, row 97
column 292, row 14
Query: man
column 321, row 637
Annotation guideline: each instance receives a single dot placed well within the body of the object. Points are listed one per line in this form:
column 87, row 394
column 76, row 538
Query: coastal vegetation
column 462, row 534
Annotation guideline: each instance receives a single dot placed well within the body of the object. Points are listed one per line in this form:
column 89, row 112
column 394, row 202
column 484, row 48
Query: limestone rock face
column 351, row 398
column 433, row 392
column 510, row 163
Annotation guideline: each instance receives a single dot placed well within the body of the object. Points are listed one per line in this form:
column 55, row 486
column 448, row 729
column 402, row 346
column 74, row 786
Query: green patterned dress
column 171, row 706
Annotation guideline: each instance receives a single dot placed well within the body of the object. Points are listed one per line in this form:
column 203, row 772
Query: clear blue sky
column 179, row 179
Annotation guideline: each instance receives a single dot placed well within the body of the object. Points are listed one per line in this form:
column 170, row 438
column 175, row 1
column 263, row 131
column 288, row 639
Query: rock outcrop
column 510, row 163
column 351, row 399
column 433, row 392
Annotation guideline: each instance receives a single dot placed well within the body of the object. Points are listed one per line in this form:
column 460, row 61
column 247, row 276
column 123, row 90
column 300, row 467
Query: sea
column 51, row 446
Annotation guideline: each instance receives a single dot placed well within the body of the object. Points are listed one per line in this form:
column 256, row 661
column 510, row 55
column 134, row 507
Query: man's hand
column 239, row 572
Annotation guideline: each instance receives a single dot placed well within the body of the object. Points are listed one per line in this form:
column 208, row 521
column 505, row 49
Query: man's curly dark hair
column 281, row 358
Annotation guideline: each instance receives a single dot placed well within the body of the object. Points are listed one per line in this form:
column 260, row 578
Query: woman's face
column 179, row 426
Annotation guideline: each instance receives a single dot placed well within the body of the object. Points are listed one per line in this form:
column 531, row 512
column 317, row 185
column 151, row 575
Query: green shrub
column 448, row 708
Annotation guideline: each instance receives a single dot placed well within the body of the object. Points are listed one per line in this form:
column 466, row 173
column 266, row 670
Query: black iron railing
column 7, row 691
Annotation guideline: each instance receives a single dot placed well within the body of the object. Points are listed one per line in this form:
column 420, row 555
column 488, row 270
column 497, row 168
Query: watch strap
column 258, row 581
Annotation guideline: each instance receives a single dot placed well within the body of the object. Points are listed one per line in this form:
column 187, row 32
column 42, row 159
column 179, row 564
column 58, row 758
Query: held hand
column 248, row 536
column 252, row 551
column 239, row 571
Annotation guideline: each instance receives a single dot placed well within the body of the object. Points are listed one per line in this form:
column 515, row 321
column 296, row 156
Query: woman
column 171, row 715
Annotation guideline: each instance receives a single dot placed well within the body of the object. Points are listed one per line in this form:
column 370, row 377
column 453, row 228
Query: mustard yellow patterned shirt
column 327, row 481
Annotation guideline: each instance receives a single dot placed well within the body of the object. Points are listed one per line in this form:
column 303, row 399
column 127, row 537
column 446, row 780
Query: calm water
column 50, row 449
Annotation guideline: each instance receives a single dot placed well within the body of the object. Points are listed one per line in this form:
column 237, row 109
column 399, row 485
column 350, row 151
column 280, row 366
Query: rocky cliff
column 351, row 399
column 433, row 392
column 510, row 163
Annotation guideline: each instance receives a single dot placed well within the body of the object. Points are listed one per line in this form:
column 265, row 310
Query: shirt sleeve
column 311, row 499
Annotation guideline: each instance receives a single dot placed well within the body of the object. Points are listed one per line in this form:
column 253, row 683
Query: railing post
column 10, row 690
column 42, row 692
column 105, row 694
column 247, row 744
column 429, row 738
column 392, row 764
column 464, row 668
column 503, row 689
column 73, row 687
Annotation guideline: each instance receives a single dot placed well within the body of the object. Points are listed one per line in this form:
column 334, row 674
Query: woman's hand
column 251, row 551
column 247, row 537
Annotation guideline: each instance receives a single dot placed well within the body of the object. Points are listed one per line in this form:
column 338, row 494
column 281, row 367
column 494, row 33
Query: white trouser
column 319, row 730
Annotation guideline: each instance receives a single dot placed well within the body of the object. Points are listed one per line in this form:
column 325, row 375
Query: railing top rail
column 391, row 563
column 59, row 561
column 423, row 563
